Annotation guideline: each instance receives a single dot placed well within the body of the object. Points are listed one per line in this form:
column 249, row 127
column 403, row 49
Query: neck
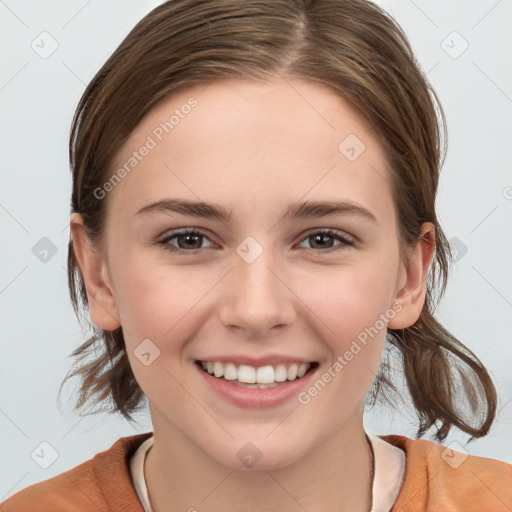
column 335, row 475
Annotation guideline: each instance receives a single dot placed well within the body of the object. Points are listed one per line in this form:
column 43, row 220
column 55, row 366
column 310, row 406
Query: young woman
column 253, row 217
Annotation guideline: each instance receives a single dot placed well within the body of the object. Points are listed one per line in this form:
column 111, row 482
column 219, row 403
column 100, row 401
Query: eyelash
column 344, row 239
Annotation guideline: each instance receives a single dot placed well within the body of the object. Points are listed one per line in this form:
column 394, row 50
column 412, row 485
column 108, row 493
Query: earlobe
column 102, row 306
column 411, row 296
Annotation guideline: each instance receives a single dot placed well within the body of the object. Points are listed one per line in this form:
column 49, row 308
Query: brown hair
column 358, row 50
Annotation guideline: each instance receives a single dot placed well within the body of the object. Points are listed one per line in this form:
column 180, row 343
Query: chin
column 258, row 455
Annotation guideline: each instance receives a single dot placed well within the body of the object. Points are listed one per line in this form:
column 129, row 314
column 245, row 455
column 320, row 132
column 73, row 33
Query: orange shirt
column 435, row 481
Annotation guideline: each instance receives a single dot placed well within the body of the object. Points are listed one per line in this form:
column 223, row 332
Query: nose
column 257, row 299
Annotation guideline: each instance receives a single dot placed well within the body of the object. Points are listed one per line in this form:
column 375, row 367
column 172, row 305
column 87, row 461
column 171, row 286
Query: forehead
column 308, row 110
column 257, row 139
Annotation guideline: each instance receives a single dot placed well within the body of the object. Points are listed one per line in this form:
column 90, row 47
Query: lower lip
column 256, row 398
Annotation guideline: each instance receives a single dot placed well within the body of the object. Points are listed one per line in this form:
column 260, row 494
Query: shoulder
column 101, row 483
column 438, row 477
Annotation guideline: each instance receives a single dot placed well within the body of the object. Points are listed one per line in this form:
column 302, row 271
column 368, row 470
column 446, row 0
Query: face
column 291, row 264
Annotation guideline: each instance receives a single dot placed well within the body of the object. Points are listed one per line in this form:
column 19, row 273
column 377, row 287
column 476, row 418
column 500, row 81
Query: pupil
column 321, row 237
column 189, row 237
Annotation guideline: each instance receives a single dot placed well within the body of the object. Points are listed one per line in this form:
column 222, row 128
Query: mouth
column 262, row 377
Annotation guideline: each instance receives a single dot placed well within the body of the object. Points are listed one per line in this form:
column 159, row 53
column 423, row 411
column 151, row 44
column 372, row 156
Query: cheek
column 165, row 302
column 155, row 300
column 351, row 301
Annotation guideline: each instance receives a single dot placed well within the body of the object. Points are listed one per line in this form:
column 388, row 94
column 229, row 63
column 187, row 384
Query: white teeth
column 246, row 374
column 251, row 377
column 218, row 369
column 265, row 375
column 291, row 374
column 230, row 371
column 280, row 373
column 254, row 386
column 303, row 368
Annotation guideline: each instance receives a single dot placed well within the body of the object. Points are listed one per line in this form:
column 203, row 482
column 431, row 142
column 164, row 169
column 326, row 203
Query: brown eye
column 186, row 241
column 324, row 239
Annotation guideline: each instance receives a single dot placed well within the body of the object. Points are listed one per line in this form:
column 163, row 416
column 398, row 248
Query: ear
column 102, row 306
column 412, row 289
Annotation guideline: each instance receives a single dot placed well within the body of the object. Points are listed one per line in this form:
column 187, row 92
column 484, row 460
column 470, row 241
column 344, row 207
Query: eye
column 324, row 238
column 188, row 240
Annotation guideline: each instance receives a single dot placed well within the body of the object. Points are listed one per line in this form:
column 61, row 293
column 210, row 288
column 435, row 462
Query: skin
column 254, row 148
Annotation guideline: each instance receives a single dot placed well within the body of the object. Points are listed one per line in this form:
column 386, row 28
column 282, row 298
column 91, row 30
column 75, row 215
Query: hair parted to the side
column 352, row 46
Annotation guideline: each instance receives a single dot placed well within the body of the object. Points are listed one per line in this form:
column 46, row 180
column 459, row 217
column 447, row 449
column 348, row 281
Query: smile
column 252, row 377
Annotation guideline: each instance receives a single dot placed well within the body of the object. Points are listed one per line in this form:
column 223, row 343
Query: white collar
column 390, row 464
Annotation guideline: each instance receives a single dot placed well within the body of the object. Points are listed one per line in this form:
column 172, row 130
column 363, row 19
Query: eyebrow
column 303, row 210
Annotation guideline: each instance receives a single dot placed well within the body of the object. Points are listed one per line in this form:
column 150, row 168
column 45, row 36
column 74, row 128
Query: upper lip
column 257, row 361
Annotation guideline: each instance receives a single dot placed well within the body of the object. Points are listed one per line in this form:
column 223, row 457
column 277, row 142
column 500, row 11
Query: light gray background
column 37, row 99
